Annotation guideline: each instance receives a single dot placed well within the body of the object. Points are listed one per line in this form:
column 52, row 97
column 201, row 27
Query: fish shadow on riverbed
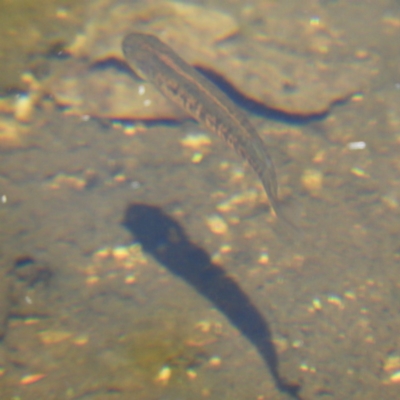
column 167, row 242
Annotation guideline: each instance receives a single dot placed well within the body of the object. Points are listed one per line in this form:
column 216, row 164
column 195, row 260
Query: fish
column 156, row 62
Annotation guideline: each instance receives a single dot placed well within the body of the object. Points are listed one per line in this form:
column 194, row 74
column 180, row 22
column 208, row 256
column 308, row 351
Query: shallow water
column 86, row 314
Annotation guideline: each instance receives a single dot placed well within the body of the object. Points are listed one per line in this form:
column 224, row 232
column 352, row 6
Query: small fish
column 156, row 62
